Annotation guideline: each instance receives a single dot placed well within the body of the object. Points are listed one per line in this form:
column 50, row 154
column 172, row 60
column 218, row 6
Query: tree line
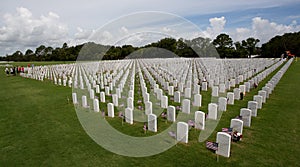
column 222, row 45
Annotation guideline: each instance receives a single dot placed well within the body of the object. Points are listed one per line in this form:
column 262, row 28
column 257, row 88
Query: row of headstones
column 199, row 115
column 246, row 114
column 185, row 106
column 181, row 126
column 224, row 139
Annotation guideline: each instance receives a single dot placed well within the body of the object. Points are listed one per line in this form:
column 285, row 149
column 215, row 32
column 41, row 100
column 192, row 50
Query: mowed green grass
column 39, row 127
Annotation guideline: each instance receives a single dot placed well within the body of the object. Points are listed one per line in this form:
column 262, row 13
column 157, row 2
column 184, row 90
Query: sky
column 27, row 24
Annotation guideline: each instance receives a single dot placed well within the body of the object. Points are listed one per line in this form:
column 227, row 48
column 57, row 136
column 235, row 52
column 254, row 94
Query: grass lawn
column 40, row 128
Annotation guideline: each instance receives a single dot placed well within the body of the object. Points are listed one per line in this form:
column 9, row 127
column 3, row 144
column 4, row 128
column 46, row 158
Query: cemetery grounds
column 39, row 127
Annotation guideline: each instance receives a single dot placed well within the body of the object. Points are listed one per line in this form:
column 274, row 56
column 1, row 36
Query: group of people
column 14, row 70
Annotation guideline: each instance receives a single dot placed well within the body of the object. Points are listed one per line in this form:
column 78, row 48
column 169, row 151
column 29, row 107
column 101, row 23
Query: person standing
column 11, row 70
column 7, row 71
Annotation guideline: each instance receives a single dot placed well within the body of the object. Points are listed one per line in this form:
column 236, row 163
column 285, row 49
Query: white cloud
column 22, row 30
column 264, row 30
column 216, row 27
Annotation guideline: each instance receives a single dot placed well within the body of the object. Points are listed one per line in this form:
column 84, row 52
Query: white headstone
column 222, row 88
column 230, row 97
column 224, row 143
column 243, row 88
column 187, row 93
column 130, row 103
column 171, row 90
column 258, row 99
column 197, row 100
column 146, row 97
column 84, row 102
column 177, row 97
column 267, row 89
column 186, row 106
column 159, row 94
column 263, row 94
column 110, row 110
column 171, row 114
column 196, row 89
column 106, row 90
column 131, row 94
column 148, row 107
column 182, row 132
column 199, row 120
column 212, row 111
column 252, row 105
column 96, row 105
column 247, row 84
column 102, row 97
column 164, row 102
column 74, row 98
column 115, row 100
column 222, row 104
column 129, row 115
column 97, row 88
column 204, row 86
column 118, row 92
column 215, row 91
column 246, row 116
column 236, row 92
column 152, row 123
column 236, row 124
column 92, row 94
